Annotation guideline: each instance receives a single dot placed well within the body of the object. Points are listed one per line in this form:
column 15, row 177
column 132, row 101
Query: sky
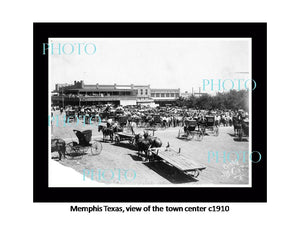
column 161, row 62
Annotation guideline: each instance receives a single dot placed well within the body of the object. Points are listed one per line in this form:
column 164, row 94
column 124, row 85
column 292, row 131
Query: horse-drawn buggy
column 84, row 146
column 190, row 130
column 75, row 149
column 209, row 124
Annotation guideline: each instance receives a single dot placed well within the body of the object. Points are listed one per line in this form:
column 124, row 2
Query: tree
column 229, row 100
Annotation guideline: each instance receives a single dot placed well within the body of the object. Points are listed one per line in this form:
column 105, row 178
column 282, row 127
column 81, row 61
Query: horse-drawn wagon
column 209, row 124
column 84, row 146
column 121, row 136
column 190, row 131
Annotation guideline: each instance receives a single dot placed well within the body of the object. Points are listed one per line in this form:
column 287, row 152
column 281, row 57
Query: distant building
column 185, row 94
column 198, row 94
column 143, row 94
column 84, row 94
column 165, row 96
column 58, row 86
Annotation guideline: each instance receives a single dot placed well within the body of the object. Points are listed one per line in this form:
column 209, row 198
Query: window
column 152, row 94
column 157, row 95
column 172, row 94
column 167, row 95
column 146, row 91
column 177, row 95
column 141, row 91
column 162, row 95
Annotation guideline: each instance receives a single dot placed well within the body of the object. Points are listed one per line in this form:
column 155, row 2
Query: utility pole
column 62, row 95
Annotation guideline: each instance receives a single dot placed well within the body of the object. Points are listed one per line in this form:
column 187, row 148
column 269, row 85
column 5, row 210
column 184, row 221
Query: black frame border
column 256, row 31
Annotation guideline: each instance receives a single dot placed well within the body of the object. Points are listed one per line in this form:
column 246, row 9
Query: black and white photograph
column 137, row 109
column 130, row 112
column 150, row 112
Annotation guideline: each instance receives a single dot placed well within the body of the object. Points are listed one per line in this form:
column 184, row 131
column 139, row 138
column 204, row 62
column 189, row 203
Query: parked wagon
column 177, row 160
column 121, row 136
column 209, row 124
column 84, row 146
column 190, row 131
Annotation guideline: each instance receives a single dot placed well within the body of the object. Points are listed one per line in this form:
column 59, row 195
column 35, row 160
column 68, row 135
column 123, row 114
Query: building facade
column 165, row 96
column 143, row 95
column 58, row 86
column 84, row 94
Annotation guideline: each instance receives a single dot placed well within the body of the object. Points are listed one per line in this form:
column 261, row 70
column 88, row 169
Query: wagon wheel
column 216, row 131
column 180, row 133
column 193, row 173
column 96, row 148
column 199, row 136
column 196, row 173
column 190, row 135
column 73, row 151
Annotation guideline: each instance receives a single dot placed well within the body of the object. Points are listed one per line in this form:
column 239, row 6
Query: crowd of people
column 171, row 116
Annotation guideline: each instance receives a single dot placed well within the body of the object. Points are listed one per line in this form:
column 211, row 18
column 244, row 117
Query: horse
column 58, row 145
column 155, row 142
column 142, row 144
column 107, row 131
